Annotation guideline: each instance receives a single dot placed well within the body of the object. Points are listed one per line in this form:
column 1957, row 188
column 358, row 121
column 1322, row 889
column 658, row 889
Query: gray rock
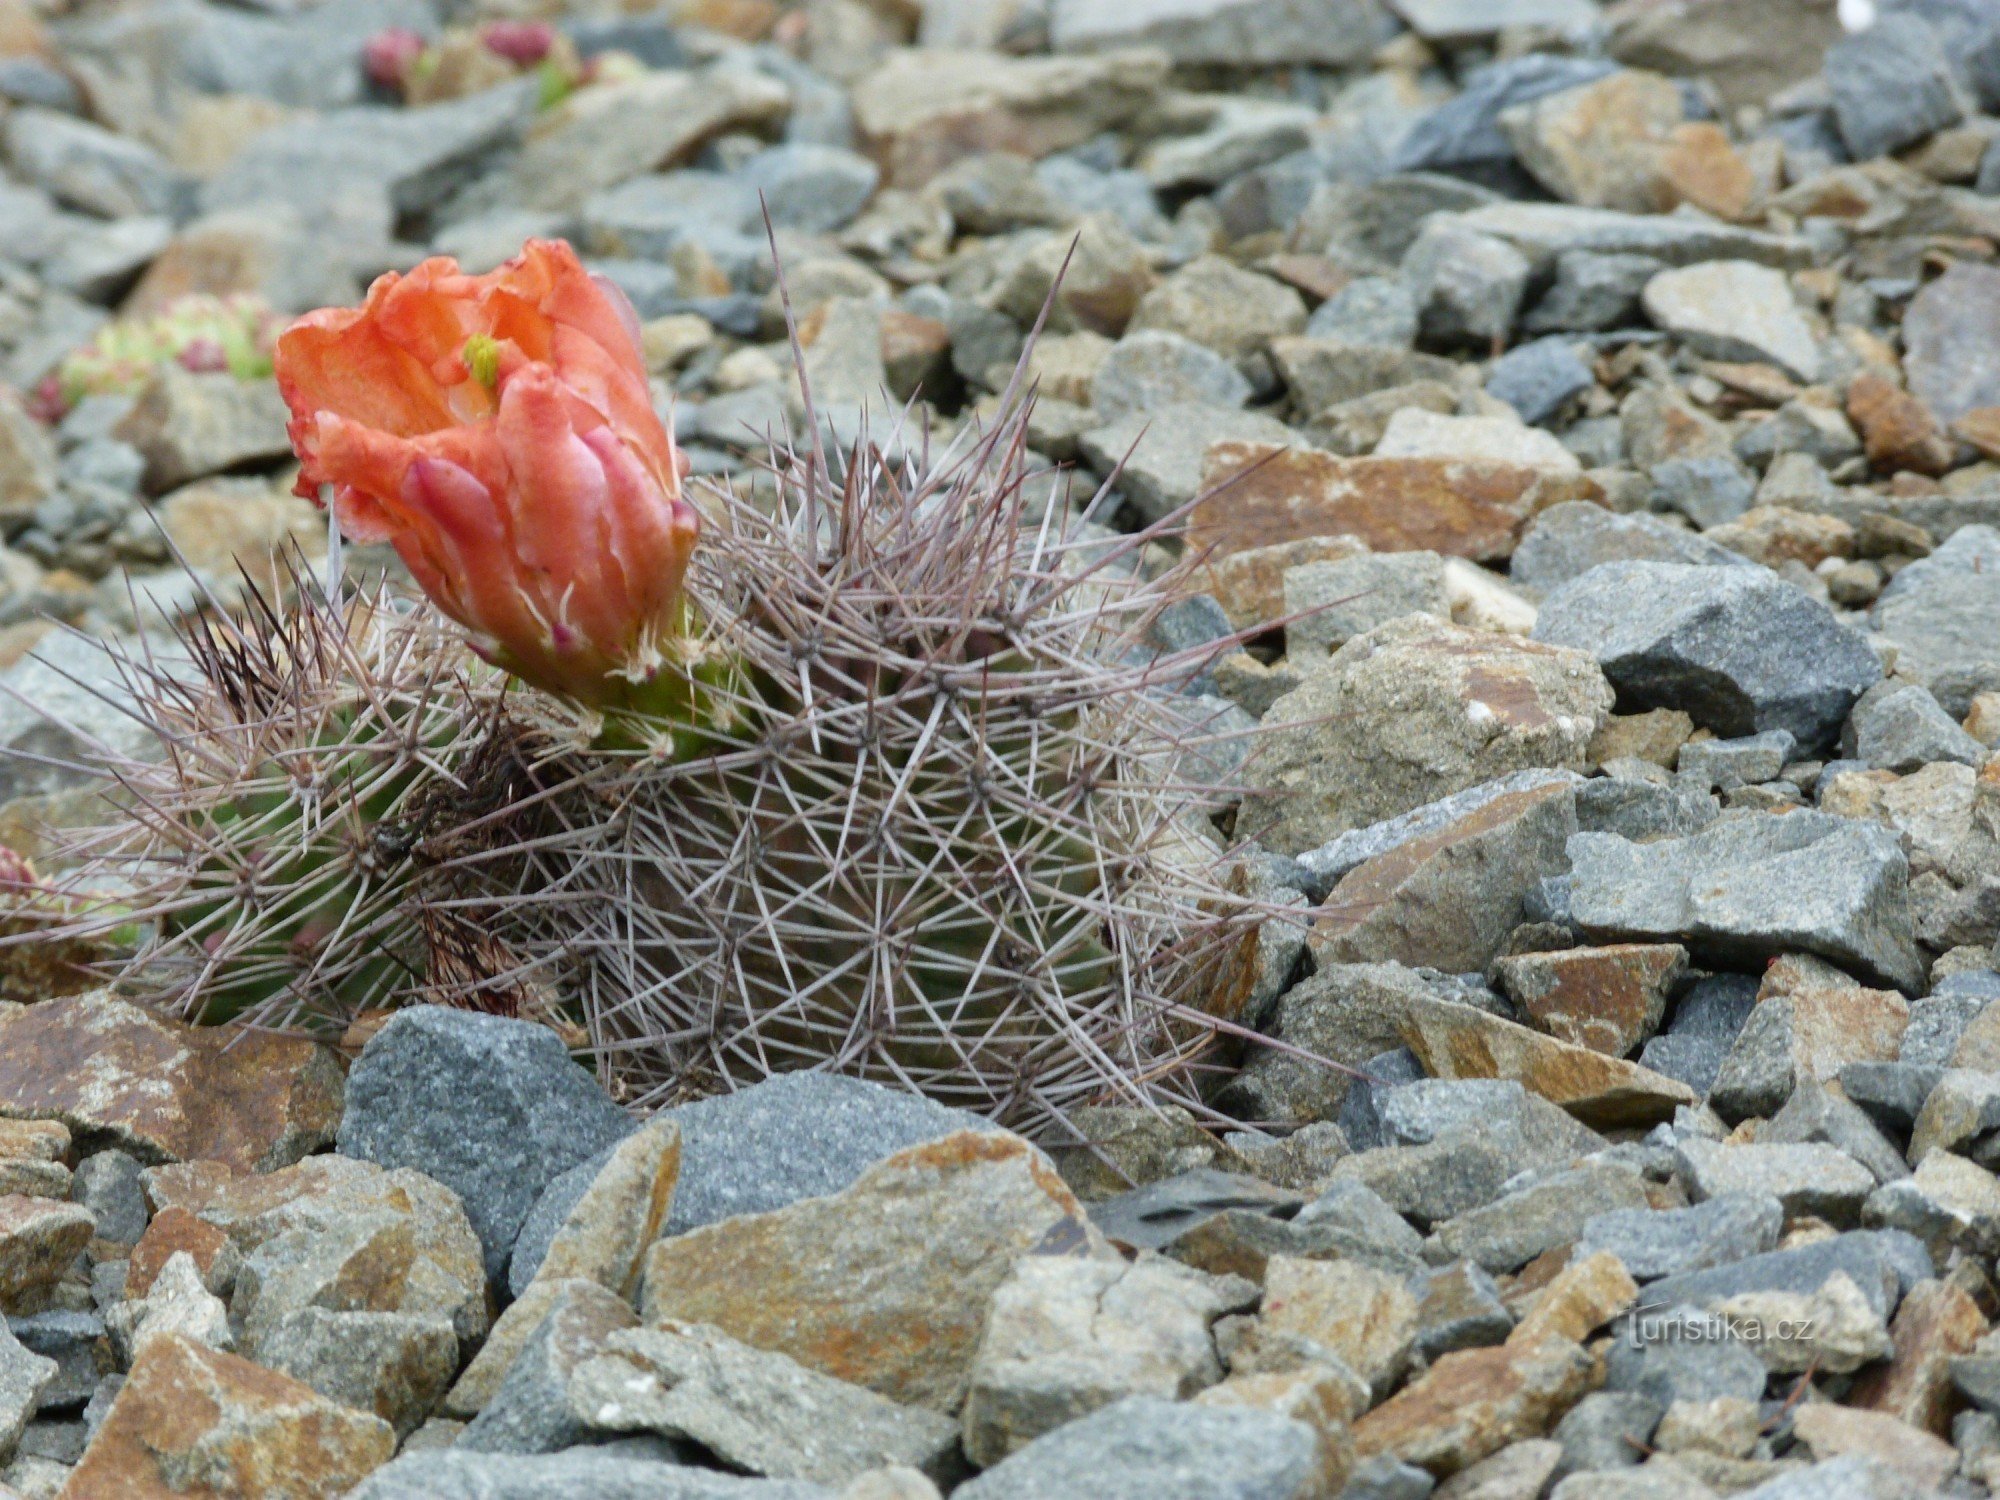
column 448, row 1474
column 545, row 1220
column 1747, row 889
column 1891, row 1093
column 392, row 1364
column 1463, row 136
column 1373, row 224
column 1883, row 1263
column 1815, row 1113
column 101, row 262
column 1382, row 1477
column 1375, row 311
column 529, row 1410
column 1949, row 328
column 1693, row 1060
column 1667, row 1242
column 1361, row 1109
column 190, row 426
column 1467, row 285
column 1568, row 540
column 1506, row 1234
column 1707, row 490
column 1642, row 810
column 1337, row 600
column 1738, row 648
column 1236, row 33
column 1146, row 1449
column 1652, row 1355
column 1937, row 1022
column 77, row 1344
column 813, row 188
column 1808, row 1179
column 492, row 1108
column 108, row 1185
column 64, row 699
column 1544, row 231
column 1608, row 1430
column 753, row 1409
column 1539, row 379
column 1748, row 761
column 89, row 167
column 650, row 216
column 1901, row 727
column 1592, row 292
column 1850, row 1477
column 1735, row 309
column 1892, row 86
column 1461, row 21
column 1153, row 1216
column 1242, row 134
column 1152, row 368
column 25, row 1378
column 1162, row 451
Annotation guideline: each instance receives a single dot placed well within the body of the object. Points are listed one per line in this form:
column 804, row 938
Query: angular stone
column 1652, row 1243
column 1892, row 86
column 1146, row 1449
column 1948, row 331
column 1948, row 1203
column 606, row 1229
column 601, row 1473
column 1163, row 455
column 1900, row 727
column 176, row 1303
column 1222, row 307
column 1897, row 430
column 1586, row 1294
column 1457, row 507
column 491, row 1107
column 1740, row 650
column 1568, row 540
column 1449, row 898
column 1545, row 1215
column 1468, row 286
column 192, row 425
column 1065, row 1337
column 885, row 1283
column 1544, row 231
column 1748, row 889
column 24, row 1377
column 191, row 1421
column 1365, row 1317
column 1938, row 1322
column 514, row 1388
column 1412, row 711
column 754, row 1410
column 167, row 1092
column 1314, row 1395
column 392, row 1364
column 1832, row 1432
column 1809, row 1179
column 1474, row 1403
column 1463, row 135
column 38, row 1239
column 1326, row 604
column 1735, row 310
column 1810, row 1022
column 1232, row 33
column 1607, row 999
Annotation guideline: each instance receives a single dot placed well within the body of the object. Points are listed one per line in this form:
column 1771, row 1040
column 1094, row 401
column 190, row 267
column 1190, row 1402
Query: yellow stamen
column 482, row 358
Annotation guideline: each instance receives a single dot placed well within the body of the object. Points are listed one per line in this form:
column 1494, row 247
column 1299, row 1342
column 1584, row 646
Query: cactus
column 199, row 332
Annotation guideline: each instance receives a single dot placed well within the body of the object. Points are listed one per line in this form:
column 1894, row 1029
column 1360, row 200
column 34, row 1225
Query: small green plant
column 199, row 333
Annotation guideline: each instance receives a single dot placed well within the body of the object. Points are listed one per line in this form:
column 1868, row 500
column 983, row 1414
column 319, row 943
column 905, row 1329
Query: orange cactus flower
column 498, row 431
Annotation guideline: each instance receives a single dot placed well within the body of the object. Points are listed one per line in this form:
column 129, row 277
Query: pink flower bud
column 389, row 55
column 523, row 43
column 203, row 357
column 499, row 432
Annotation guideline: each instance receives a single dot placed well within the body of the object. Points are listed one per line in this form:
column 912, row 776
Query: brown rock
column 915, row 350
column 1449, row 899
column 1980, row 428
column 1699, row 165
column 581, row 1315
column 1775, row 535
column 173, row 1231
column 1475, row 1402
column 33, row 1140
column 1314, row 1395
column 1896, row 428
column 39, row 1237
column 195, row 1422
column 1250, row 585
column 885, row 1284
column 1607, row 999
column 1656, row 735
column 1456, row 1041
column 1457, row 507
column 185, row 1184
column 1937, row 1320
column 1830, row 1431
column 1584, row 1296
column 1367, row 1317
column 620, row 1213
column 165, row 1091
column 1835, row 1020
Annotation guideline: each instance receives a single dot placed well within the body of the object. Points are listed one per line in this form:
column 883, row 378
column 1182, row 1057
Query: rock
column 1315, row 1395
column 1335, row 601
column 38, row 1240
column 1834, row 1327
column 490, row 1107
column 1151, row 368
column 1452, row 21
column 393, row 1364
column 1739, row 650
column 1901, row 727
column 1376, row 311
column 1065, row 1337
column 1734, row 309
column 1832, row 1432
column 1242, row 136
column 1165, row 452
column 1097, row 278
column 1727, row 764
column 1460, row 508
column 1328, row 864
column 1591, row 292
column 1746, row 51
column 1948, row 1202
column 1718, row 1231
column 1670, row 1354
column 1539, row 379
column 602, row 1473
column 1452, row 896
column 1146, row 1449
column 1776, row 534
column 600, row 1231
column 1938, row 1323
column 1468, row 286
column 1473, row 1403
column 1364, row 1317
column 1463, row 135
column 1810, row 1023
column 809, row 187
column 1708, row 489
column 1817, row 1113
column 1605, row 1431
column 1946, row 332
column 885, row 1282
column 1412, row 711
column 515, row 1391
column 176, row 1303
column 1339, row 33
column 190, row 1420
column 1807, row 1179
column 1566, row 541
column 1548, row 1213
column 1755, row 887
column 1607, row 999
column 925, row 108
column 189, row 426
column 756, row 1411
column 88, row 167
column 1891, row 87
column 23, row 1379
column 1897, row 430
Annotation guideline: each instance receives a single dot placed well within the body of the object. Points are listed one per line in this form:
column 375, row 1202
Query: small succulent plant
column 200, row 333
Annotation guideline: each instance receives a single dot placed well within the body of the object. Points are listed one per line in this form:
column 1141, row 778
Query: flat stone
column 1740, row 650
column 1457, row 507
column 449, row 1474
column 392, row 1364
column 1165, row 453
column 1949, row 1203
column 1832, row 1432
column 1950, row 362
column 1652, row 1243
column 1607, row 999
column 1473, row 1403
column 1222, row 307
column 1545, row 1215
column 1065, row 1337
column 929, row 1233
column 1151, row 368
column 492, row 1108
column 755, row 1410
column 1833, row 1328
column 515, row 1391
column 38, row 1240
column 1458, row 21
column 1410, row 712
column 604, row 1229
column 166, row 1092
column 1544, row 231
column 1892, row 86
column 185, row 1411
column 1749, row 889
column 1882, row 1263
column 1735, row 310
column 1539, row 379
column 1808, row 1179
column 1748, row 760
column 1587, row 1293
column 1235, row 33
column 1566, row 541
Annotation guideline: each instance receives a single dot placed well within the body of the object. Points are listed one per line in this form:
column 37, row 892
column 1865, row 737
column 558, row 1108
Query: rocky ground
column 1610, row 400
